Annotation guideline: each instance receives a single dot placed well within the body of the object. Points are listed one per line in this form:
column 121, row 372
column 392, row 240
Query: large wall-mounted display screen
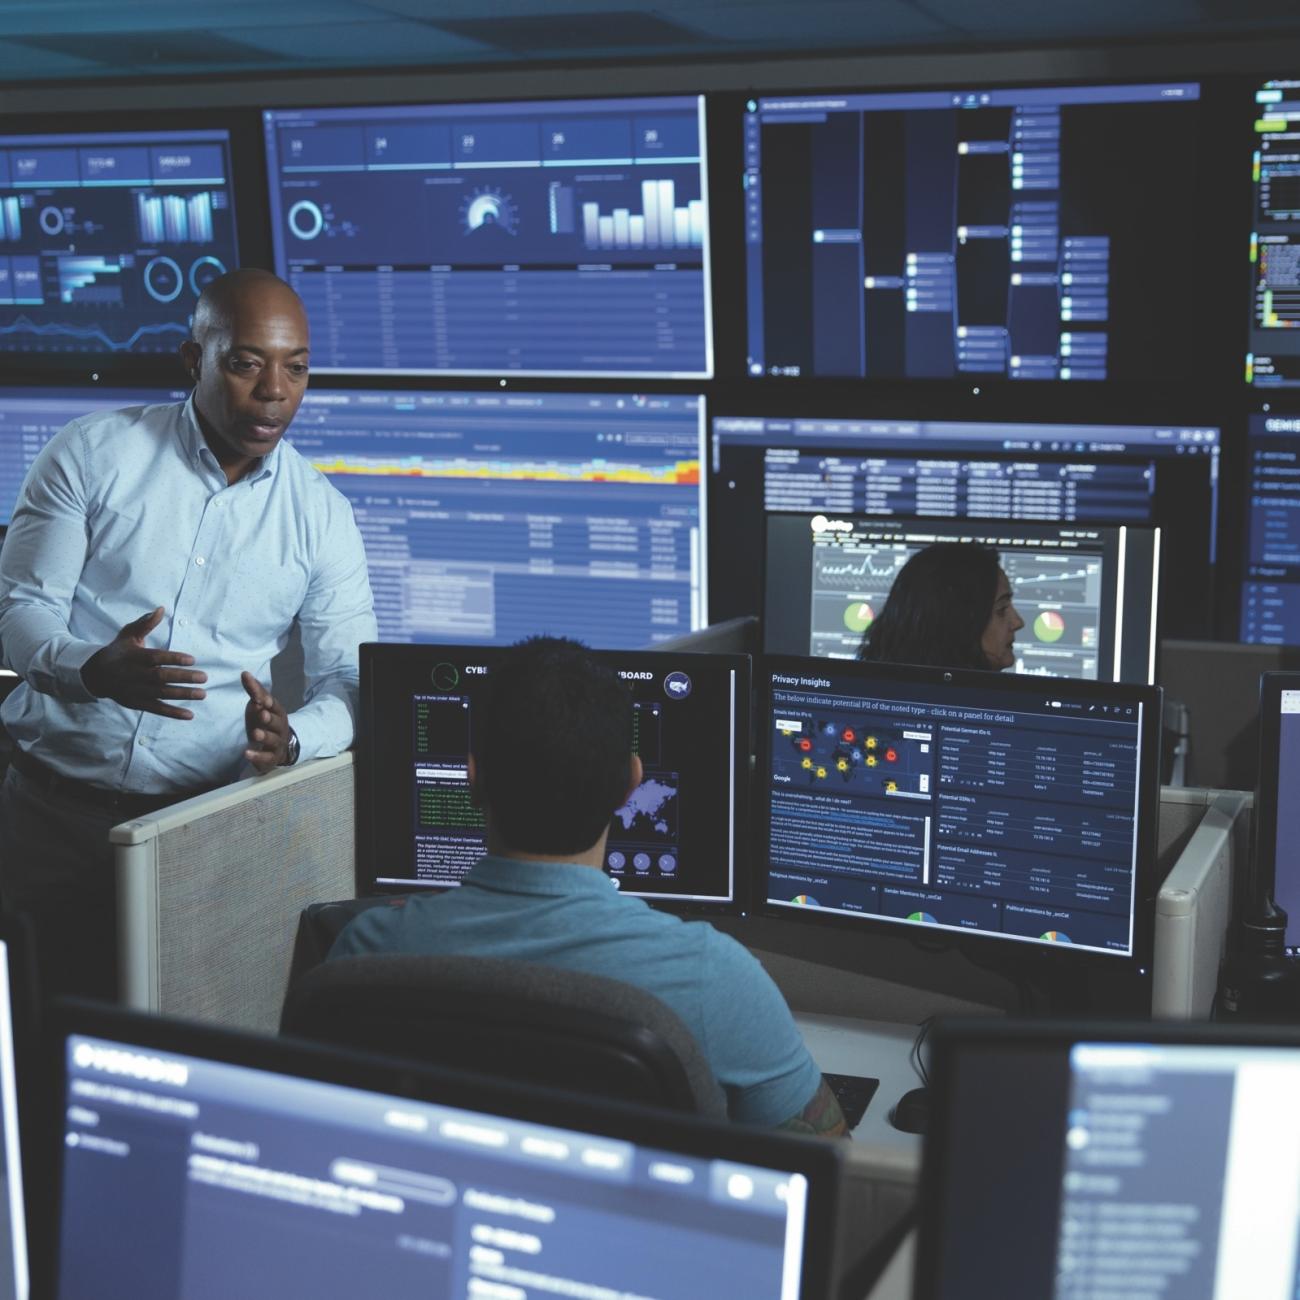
column 559, row 238
column 107, row 240
column 1026, row 233
column 493, row 516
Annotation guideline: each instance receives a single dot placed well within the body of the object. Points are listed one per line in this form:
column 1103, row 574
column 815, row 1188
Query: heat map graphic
column 865, row 757
column 675, row 473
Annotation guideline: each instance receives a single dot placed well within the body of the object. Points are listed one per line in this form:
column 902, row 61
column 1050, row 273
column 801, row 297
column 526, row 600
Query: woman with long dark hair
column 950, row 606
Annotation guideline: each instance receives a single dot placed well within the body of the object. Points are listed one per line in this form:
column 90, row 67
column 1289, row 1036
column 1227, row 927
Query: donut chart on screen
column 1049, row 626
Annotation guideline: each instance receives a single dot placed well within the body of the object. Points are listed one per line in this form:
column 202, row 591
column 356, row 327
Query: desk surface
column 878, row 1048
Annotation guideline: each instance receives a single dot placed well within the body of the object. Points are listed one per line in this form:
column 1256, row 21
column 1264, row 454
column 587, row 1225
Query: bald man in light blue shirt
column 155, row 563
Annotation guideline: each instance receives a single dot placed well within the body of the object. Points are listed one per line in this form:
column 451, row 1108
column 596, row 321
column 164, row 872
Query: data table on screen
column 1270, row 587
column 489, row 517
column 1165, row 476
column 106, row 241
column 564, row 238
column 30, row 417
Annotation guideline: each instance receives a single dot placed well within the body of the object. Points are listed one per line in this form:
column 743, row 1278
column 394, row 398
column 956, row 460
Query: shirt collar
column 545, row 879
column 200, row 454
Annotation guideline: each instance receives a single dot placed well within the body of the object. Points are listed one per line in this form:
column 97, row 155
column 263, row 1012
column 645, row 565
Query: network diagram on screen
column 561, row 238
column 950, row 233
column 106, row 241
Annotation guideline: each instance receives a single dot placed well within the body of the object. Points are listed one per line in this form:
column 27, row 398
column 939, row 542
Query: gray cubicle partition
column 210, row 890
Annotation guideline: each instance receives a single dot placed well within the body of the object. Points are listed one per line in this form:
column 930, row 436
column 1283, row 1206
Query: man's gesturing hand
column 267, row 725
column 138, row 678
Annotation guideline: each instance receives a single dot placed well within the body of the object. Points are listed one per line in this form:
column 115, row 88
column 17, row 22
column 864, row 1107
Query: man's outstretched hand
column 138, row 678
column 267, row 725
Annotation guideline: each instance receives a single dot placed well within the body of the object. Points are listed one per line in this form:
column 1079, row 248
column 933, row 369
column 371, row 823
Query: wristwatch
column 295, row 748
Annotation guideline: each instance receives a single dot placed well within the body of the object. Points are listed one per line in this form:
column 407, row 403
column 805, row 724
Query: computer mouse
column 911, row 1112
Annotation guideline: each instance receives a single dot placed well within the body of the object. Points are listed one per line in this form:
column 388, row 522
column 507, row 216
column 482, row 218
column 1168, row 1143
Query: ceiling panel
column 54, row 39
column 382, row 42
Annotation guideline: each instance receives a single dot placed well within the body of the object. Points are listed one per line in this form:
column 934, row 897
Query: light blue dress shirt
column 123, row 511
column 571, row 916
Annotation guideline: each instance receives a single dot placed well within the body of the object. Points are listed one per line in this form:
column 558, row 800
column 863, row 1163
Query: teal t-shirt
column 573, row 917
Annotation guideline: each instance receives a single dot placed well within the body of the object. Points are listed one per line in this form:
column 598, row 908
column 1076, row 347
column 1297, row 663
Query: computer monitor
column 991, row 472
column 1004, row 814
column 677, row 841
column 1088, row 596
column 107, row 239
column 199, row 1163
column 569, row 237
column 1277, row 816
column 1270, row 575
column 491, row 516
column 737, row 636
column 1273, row 359
column 1083, row 1160
column 30, row 417
column 21, row 1113
column 969, row 232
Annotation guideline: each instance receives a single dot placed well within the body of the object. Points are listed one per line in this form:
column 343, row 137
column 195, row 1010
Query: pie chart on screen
column 1055, row 936
column 1049, row 626
column 805, row 900
column 859, row 616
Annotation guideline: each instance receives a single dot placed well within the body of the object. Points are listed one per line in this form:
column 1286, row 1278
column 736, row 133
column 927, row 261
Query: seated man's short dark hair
column 552, row 739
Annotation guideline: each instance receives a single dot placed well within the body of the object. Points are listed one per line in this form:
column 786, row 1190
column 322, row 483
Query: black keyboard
column 854, row 1093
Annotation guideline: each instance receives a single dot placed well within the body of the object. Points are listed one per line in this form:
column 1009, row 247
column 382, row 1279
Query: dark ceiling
column 62, row 40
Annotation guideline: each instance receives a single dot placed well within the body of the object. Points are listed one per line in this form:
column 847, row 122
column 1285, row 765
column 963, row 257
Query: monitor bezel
column 952, row 1038
column 1022, row 960
column 665, row 1130
column 32, row 1105
column 376, row 655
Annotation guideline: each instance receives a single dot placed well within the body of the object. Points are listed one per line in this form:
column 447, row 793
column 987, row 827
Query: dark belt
column 127, row 803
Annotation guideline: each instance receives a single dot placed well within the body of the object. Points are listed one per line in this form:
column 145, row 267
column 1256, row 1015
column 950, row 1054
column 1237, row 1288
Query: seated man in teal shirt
column 550, row 764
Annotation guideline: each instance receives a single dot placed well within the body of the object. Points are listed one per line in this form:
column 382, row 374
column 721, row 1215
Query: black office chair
column 514, row 1020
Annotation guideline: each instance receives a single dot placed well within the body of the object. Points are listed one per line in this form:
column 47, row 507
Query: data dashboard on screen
column 488, row 517
column 1087, row 595
column 974, row 802
column 945, row 234
column 1273, row 360
column 1270, row 585
column 107, row 240
column 567, row 237
column 676, row 840
column 30, row 417
column 1145, row 476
